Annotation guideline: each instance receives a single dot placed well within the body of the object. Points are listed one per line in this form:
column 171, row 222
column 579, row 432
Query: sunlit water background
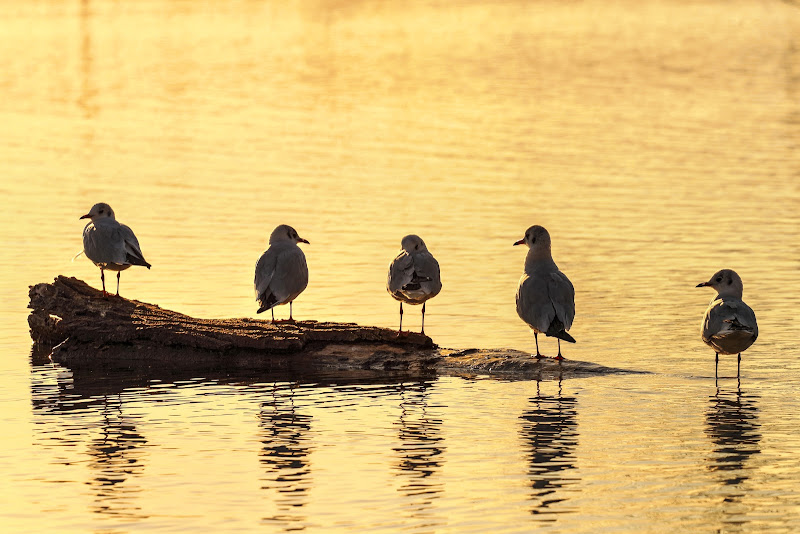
column 657, row 141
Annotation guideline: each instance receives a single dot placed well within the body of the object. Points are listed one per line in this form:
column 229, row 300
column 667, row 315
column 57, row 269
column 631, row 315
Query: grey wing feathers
column 414, row 277
column 533, row 303
column 544, row 301
column 726, row 318
column 133, row 252
column 401, row 271
column 265, row 268
column 103, row 244
column 427, row 270
column 291, row 275
column 562, row 295
column 281, row 275
column 109, row 243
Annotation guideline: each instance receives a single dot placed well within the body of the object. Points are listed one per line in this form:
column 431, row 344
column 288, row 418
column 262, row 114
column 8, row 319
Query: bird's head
column 101, row 210
column 285, row 232
column 536, row 238
column 413, row 243
column 726, row 282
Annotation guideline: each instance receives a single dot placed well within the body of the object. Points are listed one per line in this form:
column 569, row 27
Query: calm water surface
column 658, row 141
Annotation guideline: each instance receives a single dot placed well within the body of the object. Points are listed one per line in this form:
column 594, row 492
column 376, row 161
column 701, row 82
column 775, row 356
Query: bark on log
column 81, row 329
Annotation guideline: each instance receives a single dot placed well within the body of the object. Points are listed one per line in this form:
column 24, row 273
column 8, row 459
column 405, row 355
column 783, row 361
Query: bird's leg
column 423, row 318
column 103, row 279
column 400, row 330
column 536, row 339
column 118, row 273
column 290, row 320
column 716, row 365
column 738, row 364
column 559, row 357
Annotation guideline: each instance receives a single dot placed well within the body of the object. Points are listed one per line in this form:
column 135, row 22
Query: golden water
column 657, row 141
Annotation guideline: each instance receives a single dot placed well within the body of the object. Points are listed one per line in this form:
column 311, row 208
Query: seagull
column 413, row 275
column 729, row 325
column 109, row 244
column 281, row 272
column 545, row 296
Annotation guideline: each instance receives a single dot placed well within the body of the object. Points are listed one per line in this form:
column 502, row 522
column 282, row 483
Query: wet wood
column 80, row 328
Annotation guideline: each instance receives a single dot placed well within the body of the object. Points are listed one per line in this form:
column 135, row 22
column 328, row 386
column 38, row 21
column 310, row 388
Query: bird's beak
column 704, row 284
column 87, row 216
column 520, row 242
column 301, row 240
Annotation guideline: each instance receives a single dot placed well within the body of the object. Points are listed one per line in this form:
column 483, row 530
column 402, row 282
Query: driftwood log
column 77, row 327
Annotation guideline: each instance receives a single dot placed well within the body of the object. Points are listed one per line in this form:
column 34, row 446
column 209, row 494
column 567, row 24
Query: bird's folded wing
column 291, row 274
column 401, row 272
column 724, row 318
column 427, row 270
column 132, row 250
column 534, row 306
column 265, row 269
column 562, row 295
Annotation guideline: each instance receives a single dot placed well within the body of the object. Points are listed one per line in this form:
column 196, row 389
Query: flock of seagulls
column 545, row 296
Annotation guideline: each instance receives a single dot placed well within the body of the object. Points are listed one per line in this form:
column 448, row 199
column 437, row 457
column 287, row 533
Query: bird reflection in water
column 732, row 424
column 419, row 455
column 549, row 429
column 116, row 461
column 77, row 416
column 284, row 455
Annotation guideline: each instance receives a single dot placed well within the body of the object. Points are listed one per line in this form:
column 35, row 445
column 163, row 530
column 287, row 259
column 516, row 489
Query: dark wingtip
column 562, row 334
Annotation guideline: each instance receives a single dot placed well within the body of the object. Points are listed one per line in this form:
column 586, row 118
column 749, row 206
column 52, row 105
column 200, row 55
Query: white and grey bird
column 109, row 244
column 545, row 296
column 729, row 325
column 413, row 275
column 281, row 272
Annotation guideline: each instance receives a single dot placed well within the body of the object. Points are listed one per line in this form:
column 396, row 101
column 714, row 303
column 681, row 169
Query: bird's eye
column 719, row 279
column 416, row 247
column 533, row 240
column 101, row 211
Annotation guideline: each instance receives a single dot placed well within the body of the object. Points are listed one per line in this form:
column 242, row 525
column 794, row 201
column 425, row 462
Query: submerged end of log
column 83, row 329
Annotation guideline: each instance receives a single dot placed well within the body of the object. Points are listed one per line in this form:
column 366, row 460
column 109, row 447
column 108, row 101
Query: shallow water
column 657, row 141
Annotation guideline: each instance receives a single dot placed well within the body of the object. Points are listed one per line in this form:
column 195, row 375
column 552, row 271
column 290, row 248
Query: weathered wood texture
column 83, row 329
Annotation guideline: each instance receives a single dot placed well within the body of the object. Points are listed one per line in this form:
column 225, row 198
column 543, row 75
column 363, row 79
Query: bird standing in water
column 109, row 244
column 281, row 272
column 413, row 276
column 729, row 325
column 545, row 296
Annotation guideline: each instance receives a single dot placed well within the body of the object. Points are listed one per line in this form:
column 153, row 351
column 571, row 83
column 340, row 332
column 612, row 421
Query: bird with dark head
column 545, row 296
column 109, row 244
column 414, row 276
column 281, row 271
